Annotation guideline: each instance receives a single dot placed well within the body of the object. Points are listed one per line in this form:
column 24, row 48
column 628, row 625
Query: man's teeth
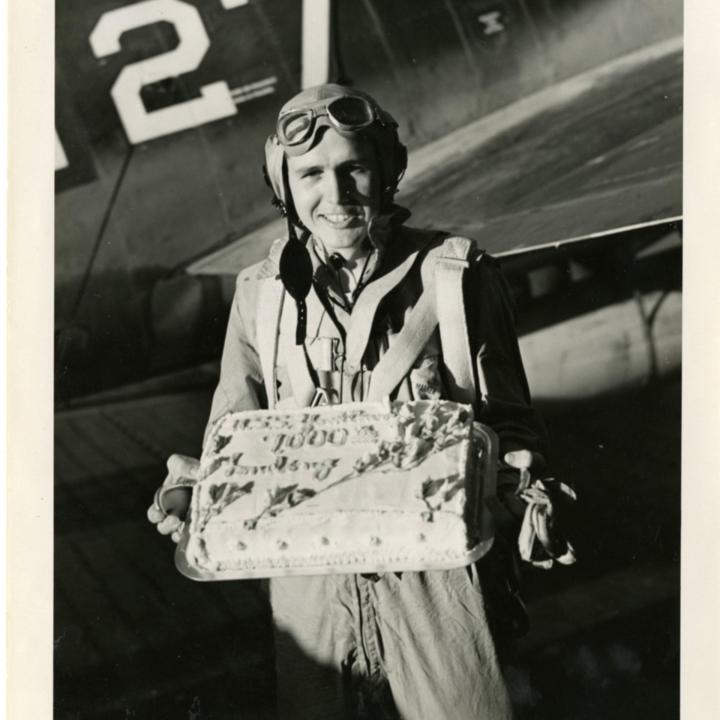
column 339, row 217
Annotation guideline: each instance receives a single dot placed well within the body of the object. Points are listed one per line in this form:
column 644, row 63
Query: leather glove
column 541, row 542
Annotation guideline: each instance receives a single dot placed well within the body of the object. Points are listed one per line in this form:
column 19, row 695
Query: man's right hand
column 169, row 518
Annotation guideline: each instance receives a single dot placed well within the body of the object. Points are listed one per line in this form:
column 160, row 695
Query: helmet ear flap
column 275, row 173
column 276, row 201
column 274, row 160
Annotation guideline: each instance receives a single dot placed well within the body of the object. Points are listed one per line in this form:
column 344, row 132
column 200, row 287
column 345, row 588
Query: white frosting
column 364, row 485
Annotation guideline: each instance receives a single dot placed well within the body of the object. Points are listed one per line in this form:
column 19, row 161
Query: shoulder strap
column 441, row 303
column 449, row 270
column 301, row 383
column 276, row 319
column 270, row 301
column 396, row 363
column 271, row 297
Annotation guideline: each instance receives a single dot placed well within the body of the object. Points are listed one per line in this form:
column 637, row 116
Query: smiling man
column 394, row 645
column 335, row 192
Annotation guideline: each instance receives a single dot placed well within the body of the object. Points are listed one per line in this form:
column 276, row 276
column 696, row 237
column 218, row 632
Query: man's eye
column 358, row 172
column 309, row 173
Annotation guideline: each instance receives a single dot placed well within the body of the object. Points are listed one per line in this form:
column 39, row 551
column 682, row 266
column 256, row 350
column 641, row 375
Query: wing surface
column 588, row 157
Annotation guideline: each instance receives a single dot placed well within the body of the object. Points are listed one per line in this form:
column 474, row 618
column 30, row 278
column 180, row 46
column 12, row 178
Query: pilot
column 412, row 644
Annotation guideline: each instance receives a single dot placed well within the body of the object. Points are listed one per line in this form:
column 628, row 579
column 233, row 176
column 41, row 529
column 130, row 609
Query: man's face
column 336, row 191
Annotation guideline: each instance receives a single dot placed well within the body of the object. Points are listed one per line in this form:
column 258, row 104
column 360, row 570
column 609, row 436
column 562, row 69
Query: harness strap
column 271, row 297
column 397, row 362
column 441, row 303
column 363, row 314
column 302, row 386
column 457, row 357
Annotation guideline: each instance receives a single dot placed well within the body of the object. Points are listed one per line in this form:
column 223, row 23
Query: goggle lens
column 351, row 112
column 294, row 128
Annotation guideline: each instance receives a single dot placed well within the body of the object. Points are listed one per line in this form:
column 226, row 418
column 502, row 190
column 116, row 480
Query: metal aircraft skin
column 528, row 124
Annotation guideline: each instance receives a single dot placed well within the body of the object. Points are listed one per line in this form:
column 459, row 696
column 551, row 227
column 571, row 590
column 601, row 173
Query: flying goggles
column 296, row 128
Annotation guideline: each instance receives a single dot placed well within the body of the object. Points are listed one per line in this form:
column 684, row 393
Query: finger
column 155, row 514
column 175, row 537
column 180, row 466
column 526, row 538
column 537, row 497
column 541, row 529
column 169, row 525
column 568, row 491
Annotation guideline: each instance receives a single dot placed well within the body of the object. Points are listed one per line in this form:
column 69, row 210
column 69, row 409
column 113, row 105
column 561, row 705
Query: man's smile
column 342, row 219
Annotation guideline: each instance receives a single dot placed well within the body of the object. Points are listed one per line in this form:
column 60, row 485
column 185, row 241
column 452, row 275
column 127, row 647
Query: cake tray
column 190, row 570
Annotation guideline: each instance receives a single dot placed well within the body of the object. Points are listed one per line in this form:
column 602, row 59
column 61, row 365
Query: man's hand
column 172, row 500
column 529, row 510
column 513, row 478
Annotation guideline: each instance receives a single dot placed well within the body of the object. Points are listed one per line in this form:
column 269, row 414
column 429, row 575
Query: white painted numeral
column 491, row 23
column 61, row 160
column 315, row 42
column 215, row 100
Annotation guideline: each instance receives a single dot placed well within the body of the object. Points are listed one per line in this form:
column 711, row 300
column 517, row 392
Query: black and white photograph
column 367, row 359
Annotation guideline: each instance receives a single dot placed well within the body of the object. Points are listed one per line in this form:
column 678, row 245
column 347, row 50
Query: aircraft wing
column 590, row 156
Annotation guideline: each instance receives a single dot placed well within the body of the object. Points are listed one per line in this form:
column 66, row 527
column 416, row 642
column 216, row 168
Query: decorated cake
column 360, row 487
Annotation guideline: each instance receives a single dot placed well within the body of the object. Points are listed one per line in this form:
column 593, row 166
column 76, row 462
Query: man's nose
column 336, row 188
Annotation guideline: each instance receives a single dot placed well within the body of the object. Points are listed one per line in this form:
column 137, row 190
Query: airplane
column 549, row 132
column 528, row 126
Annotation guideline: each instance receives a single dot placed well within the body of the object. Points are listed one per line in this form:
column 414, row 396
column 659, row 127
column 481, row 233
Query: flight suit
column 415, row 644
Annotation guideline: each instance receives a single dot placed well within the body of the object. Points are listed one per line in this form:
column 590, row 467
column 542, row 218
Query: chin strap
column 296, row 274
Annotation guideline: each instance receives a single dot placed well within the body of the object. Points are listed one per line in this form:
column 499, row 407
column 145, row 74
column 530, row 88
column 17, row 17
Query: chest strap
column 363, row 314
column 301, row 383
column 441, row 304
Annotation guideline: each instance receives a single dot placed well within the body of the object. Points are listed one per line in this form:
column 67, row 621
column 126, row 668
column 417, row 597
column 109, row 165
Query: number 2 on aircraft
column 215, row 101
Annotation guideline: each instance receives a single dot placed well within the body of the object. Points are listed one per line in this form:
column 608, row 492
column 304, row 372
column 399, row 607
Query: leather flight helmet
column 349, row 112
